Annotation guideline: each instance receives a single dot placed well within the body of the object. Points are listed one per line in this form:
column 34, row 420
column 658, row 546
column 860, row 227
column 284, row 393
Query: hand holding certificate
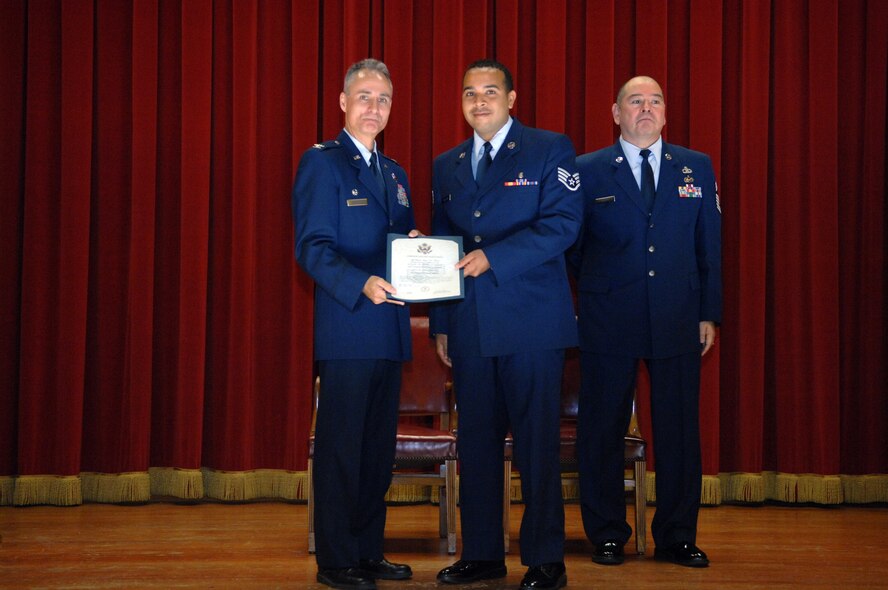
column 423, row 269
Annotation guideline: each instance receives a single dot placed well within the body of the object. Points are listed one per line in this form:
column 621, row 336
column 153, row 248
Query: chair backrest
column 425, row 379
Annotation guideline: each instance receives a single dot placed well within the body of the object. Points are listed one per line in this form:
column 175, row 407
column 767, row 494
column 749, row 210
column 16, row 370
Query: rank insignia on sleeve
column 571, row 181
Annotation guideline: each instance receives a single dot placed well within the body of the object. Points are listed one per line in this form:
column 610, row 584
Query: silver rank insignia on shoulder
column 511, row 145
column 619, row 160
column 318, row 146
column 570, row 181
column 686, row 170
column 668, row 156
column 462, row 155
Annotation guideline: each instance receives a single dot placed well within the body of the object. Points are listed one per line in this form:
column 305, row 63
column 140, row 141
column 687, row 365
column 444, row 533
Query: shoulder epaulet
column 389, row 158
column 333, row 143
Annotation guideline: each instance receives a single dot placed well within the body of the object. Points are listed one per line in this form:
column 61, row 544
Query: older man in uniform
column 512, row 193
column 649, row 288
column 347, row 197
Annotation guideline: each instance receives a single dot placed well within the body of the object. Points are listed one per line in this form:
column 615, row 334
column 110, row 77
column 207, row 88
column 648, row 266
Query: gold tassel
column 710, row 493
column 805, row 488
column 116, row 488
column 570, row 489
column 226, row 485
column 7, row 490
column 863, row 489
column 241, row 486
column 408, row 493
column 57, row 490
column 742, row 487
column 186, row 484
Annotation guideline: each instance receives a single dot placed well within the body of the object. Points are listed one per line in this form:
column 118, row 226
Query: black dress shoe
column 468, row 571
column 686, row 554
column 346, row 578
column 383, row 569
column 548, row 576
column 608, row 552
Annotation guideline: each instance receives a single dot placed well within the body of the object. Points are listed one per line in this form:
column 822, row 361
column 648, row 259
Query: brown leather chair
column 636, row 461
column 424, row 454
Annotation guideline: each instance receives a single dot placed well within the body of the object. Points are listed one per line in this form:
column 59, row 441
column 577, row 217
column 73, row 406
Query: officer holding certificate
column 512, row 193
column 347, row 197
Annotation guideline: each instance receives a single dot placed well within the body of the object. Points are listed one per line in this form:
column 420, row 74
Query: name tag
column 607, row 199
column 357, row 202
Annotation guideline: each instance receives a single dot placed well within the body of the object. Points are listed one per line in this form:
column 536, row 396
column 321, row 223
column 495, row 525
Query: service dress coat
column 341, row 222
column 646, row 281
column 525, row 215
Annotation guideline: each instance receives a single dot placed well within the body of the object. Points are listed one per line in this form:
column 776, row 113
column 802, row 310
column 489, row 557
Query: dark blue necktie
column 484, row 163
column 647, row 180
column 377, row 175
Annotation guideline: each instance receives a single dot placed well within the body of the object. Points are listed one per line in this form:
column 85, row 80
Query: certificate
column 423, row 269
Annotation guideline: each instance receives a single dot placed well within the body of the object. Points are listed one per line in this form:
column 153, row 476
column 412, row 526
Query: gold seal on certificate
column 424, row 269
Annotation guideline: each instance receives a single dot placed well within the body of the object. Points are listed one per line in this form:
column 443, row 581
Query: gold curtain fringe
column 115, row 488
column 7, row 490
column 186, row 484
column 56, row 490
column 863, row 489
column 240, row 486
column 804, row 488
column 711, row 492
column 197, row 484
column 412, row 493
column 742, row 487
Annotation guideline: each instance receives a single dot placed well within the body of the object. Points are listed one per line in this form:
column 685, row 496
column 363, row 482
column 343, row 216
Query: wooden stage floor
column 263, row 545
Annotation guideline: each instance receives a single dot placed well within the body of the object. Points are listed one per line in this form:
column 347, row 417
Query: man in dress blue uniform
column 346, row 198
column 649, row 288
column 512, row 193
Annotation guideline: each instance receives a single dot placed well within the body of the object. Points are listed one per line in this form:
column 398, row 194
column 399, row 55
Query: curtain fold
column 155, row 331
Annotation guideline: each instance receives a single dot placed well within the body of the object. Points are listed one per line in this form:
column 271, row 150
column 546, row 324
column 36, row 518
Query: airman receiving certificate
column 424, row 269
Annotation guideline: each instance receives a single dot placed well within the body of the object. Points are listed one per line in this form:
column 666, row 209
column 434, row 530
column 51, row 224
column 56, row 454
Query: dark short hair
column 493, row 65
column 374, row 65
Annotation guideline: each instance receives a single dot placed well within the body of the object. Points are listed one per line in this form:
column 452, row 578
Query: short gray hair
column 373, row 65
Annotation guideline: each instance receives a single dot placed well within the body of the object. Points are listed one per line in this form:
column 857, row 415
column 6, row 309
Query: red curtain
column 155, row 332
